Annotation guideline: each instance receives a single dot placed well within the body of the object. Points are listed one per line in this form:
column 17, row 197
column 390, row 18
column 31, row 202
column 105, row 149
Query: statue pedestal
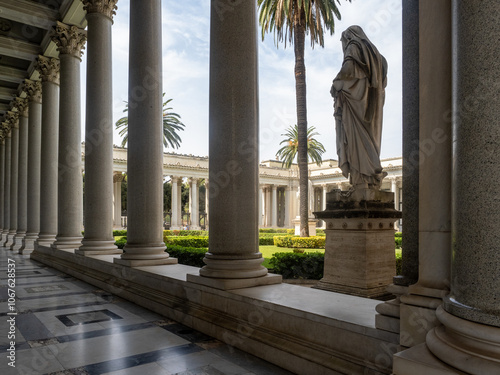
column 312, row 226
column 360, row 249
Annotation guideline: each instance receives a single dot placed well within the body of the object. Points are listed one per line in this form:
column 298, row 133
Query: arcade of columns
column 278, row 187
column 447, row 319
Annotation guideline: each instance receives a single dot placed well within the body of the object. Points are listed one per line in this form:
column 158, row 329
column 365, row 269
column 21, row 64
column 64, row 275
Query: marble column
column 261, row 202
column 70, row 41
column 22, row 197
column 434, row 174
column 411, row 123
column 49, row 73
column 274, row 206
column 7, row 170
column 145, row 133
column 234, row 259
column 117, row 200
column 34, row 90
column 98, row 212
column 324, row 190
column 2, row 179
column 14, row 178
column 174, row 220
column 207, row 186
column 469, row 338
column 269, row 206
column 194, row 204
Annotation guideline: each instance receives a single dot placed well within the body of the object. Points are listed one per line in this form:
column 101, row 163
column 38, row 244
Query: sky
column 185, row 39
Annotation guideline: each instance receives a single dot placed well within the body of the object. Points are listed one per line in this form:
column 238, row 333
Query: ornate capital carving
column 5, row 128
column 12, row 118
column 33, row 90
column 21, row 104
column 106, row 7
column 48, row 68
column 70, row 40
column 118, row 177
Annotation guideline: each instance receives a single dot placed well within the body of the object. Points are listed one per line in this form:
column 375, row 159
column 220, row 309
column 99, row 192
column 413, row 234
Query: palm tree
column 171, row 125
column 291, row 19
column 288, row 152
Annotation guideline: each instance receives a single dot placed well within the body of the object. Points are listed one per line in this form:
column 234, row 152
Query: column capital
column 118, row 177
column 193, row 179
column 105, row 7
column 48, row 68
column 21, row 104
column 70, row 40
column 13, row 119
column 33, row 90
column 175, row 179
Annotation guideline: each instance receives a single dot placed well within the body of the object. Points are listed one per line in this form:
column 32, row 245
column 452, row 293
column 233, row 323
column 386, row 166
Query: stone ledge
column 305, row 331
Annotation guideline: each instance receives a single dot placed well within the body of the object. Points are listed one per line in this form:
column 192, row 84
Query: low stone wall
column 306, row 331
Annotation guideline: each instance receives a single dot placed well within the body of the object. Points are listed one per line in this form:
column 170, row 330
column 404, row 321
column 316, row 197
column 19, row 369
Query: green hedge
column 283, row 241
column 190, row 256
column 185, row 233
column 398, row 234
column 399, row 264
column 273, row 230
column 121, row 232
column 399, row 241
column 121, row 242
column 298, row 265
column 186, row 241
column 313, row 242
column 266, row 241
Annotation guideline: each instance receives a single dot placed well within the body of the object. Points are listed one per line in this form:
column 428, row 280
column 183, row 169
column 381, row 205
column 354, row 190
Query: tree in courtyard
column 292, row 19
column 288, row 152
column 171, row 126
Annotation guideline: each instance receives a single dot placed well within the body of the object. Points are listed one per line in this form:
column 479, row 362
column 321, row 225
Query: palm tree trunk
column 300, row 92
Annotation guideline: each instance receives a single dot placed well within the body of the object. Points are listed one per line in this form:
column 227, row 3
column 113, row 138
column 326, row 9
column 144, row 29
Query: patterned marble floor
column 65, row 326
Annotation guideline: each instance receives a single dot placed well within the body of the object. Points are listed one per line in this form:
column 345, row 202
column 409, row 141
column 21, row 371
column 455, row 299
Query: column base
column 5, row 234
column 389, row 313
column 98, row 247
column 18, row 242
column 419, row 360
column 137, row 255
column 28, row 244
column 312, row 226
column 65, row 243
column 175, row 227
column 10, row 239
column 229, row 284
column 418, row 317
column 45, row 240
column 468, row 346
column 195, row 227
column 375, row 292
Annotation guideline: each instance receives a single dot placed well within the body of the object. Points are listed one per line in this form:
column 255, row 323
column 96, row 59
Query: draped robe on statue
column 359, row 92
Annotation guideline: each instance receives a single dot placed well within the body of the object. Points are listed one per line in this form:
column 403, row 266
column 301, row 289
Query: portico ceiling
column 25, row 33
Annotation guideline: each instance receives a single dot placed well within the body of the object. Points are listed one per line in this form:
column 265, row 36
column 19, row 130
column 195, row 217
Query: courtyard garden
column 284, row 253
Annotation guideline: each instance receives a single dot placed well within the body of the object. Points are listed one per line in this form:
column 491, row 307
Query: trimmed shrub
column 399, row 264
column 186, row 241
column 185, row 233
column 266, row 241
column 190, row 256
column 313, row 242
column 283, row 241
column 121, row 232
column 320, row 232
column 290, row 231
column 121, row 242
column 298, row 265
column 399, row 241
column 398, row 234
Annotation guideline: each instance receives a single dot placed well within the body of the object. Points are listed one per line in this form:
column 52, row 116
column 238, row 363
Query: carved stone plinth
column 359, row 249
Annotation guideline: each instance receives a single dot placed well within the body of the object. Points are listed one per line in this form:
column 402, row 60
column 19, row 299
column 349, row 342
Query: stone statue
column 359, row 93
